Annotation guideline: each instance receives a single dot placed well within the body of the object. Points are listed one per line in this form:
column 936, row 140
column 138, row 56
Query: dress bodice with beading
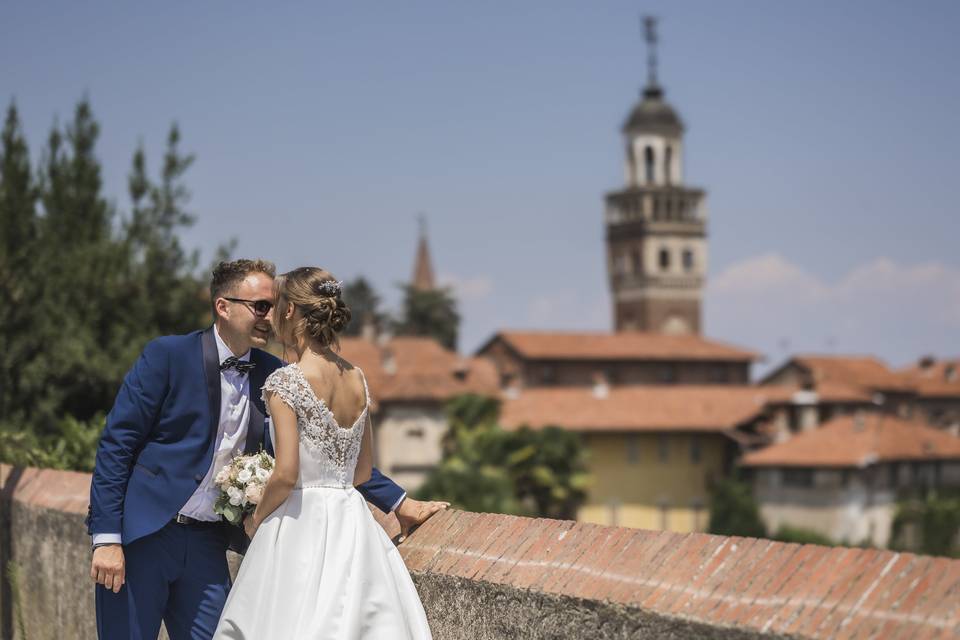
column 328, row 452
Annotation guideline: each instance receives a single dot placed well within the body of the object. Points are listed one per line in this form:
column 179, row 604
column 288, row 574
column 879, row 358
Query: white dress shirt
column 231, row 438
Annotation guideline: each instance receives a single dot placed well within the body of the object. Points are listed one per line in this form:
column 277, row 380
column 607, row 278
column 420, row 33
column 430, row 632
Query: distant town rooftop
column 692, row 408
column 858, row 441
column 627, row 345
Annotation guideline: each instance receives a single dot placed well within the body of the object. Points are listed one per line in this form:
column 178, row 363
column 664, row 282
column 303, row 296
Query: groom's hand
column 413, row 513
column 108, row 567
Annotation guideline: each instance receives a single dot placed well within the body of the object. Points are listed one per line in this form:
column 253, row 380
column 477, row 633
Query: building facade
column 844, row 479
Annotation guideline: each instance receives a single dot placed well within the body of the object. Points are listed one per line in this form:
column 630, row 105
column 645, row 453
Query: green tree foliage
column 733, row 511
column 801, row 535
column 930, row 525
column 18, row 233
column 82, row 288
column 488, row 469
column 364, row 306
column 430, row 313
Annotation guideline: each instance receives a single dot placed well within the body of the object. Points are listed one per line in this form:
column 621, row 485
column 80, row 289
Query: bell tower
column 656, row 226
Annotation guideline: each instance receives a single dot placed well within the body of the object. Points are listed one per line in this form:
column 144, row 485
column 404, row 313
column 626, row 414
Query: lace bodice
column 328, row 452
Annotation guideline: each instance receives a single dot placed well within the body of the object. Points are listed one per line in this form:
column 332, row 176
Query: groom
column 187, row 407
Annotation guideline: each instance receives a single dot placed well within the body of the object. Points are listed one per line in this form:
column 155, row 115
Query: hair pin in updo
column 330, row 287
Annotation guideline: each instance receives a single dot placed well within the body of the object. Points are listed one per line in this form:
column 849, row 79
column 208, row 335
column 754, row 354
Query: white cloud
column 566, row 310
column 468, row 288
column 882, row 307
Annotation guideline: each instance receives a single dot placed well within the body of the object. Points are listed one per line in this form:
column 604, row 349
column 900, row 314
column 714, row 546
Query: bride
column 318, row 566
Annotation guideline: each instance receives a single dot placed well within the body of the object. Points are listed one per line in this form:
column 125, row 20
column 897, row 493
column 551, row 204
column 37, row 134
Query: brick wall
column 484, row 576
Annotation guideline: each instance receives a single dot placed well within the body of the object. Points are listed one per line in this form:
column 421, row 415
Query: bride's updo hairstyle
column 320, row 312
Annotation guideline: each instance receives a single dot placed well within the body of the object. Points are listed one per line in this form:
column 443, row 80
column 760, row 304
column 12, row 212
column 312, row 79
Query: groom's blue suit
column 156, row 449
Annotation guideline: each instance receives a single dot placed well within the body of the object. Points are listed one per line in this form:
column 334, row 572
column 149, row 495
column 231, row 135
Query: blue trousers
column 178, row 575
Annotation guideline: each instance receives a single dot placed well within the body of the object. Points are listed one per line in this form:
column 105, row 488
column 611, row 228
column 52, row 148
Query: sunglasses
column 260, row 308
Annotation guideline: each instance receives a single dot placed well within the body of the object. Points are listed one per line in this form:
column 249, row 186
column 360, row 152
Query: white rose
column 263, row 475
column 254, row 493
column 245, row 475
column 223, row 476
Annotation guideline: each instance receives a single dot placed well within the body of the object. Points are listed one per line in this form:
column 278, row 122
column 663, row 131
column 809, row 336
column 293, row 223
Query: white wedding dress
column 320, row 567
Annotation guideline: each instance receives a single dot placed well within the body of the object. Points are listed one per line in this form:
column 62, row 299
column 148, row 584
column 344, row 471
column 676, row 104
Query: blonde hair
column 323, row 313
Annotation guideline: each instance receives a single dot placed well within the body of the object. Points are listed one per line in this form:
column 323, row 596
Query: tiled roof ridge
column 838, row 443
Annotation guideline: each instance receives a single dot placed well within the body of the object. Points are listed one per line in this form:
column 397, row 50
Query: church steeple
column 423, row 268
column 656, row 225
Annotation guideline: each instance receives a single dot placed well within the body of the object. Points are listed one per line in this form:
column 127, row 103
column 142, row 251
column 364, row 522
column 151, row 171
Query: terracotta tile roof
column 851, row 441
column 939, row 378
column 861, row 371
column 558, row 345
column 827, row 392
column 415, row 368
column 638, row 408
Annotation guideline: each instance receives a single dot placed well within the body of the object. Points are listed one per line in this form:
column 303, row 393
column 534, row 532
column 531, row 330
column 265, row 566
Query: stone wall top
column 757, row 586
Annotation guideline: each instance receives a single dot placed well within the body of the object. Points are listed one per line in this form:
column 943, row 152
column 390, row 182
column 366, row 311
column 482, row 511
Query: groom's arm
column 384, row 493
column 128, row 423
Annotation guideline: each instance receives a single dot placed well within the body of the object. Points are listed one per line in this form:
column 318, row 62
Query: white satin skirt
column 321, row 568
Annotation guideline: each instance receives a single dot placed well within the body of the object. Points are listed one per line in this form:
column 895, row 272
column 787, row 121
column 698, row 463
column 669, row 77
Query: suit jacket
column 157, row 445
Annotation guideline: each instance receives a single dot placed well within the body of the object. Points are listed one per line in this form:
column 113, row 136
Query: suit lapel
column 255, row 424
column 211, row 373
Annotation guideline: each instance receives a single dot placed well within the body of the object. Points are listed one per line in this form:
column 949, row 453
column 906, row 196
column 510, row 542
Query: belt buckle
column 182, row 519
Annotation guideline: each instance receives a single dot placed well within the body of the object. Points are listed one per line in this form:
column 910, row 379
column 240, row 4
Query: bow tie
column 234, row 362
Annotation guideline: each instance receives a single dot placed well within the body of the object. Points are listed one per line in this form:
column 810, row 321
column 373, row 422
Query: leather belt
column 192, row 522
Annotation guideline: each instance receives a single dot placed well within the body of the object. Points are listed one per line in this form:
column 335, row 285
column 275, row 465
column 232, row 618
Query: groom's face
column 242, row 319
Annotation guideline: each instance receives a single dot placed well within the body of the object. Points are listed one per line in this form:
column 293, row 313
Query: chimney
column 601, row 387
column 368, row 330
column 859, row 421
column 807, row 403
column 461, row 369
column 388, row 361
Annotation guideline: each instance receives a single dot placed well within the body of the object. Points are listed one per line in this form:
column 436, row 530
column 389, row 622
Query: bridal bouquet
column 241, row 485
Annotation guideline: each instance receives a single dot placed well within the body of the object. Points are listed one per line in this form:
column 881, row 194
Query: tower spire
column 653, row 88
column 423, row 268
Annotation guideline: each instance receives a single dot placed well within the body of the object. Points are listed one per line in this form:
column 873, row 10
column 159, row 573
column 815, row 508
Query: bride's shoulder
column 284, row 376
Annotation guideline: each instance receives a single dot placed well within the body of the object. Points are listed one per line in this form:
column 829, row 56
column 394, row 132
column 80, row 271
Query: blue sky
column 825, row 134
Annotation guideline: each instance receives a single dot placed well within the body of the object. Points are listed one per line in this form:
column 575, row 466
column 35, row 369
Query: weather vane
column 422, row 223
column 650, row 35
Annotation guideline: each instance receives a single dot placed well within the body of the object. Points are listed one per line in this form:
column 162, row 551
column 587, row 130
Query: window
column 802, row 478
column 667, row 373
column 687, row 260
column 663, row 448
column 719, row 373
column 664, row 259
column 648, row 163
column 613, row 508
column 415, row 432
column 633, row 449
column 664, row 505
column 548, row 375
column 667, row 160
column 695, row 453
column 637, row 263
column 696, row 505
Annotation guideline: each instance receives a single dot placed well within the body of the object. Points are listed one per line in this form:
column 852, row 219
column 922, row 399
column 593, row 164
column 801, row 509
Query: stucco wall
column 408, row 441
column 632, row 486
